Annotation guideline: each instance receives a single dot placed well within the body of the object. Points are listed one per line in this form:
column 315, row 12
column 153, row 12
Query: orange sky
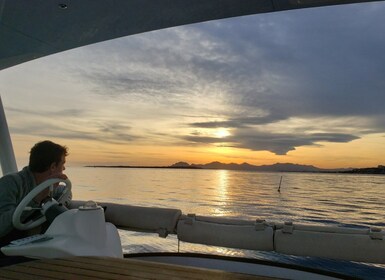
column 367, row 153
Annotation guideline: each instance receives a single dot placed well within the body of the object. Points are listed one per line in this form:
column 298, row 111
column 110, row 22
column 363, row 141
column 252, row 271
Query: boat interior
column 84, row 241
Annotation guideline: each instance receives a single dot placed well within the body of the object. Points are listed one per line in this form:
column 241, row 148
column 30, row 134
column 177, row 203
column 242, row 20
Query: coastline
column 380, row 170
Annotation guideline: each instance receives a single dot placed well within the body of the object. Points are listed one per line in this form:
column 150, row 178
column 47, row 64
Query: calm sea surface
column 311, row 198
column 305, row 197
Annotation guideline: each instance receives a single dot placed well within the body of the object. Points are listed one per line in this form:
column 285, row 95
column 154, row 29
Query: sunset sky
column 305, row 87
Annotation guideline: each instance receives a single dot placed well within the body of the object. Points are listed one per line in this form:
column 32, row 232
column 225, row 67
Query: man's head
column 47, row 156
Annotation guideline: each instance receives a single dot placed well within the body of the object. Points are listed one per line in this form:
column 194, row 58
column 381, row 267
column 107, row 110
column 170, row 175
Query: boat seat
column 224, row 232
column 363, row 245
column 147, row 219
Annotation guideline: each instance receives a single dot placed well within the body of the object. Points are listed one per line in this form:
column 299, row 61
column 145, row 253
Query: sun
column 222, row 133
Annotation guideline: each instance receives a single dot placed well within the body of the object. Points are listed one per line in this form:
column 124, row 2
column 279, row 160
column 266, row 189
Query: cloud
column 280, row 144
column 76, row 126
column 116, row 84
column 253, row 75
column 114, row 132
column 52, row 113
column 276, row 62
column 240, row 122
column 277, row 143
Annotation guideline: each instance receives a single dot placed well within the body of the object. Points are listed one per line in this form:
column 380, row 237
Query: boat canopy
column 33, row 29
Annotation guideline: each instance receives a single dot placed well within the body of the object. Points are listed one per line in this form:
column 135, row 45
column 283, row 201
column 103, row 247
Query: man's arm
column 8, row 204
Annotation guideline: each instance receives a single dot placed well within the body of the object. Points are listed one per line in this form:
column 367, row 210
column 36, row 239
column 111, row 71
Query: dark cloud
column 52, row 113
column 240, row 122
column 278, row 62
column 104, row 131
column 277, row 143
column 116, row 132
column 118, row 84
column 280, row 144
column 333, row 66
column 319, row 63
column 44, row 129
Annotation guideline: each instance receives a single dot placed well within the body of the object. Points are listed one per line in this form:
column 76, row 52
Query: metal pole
column 280, row 181
column 7, row 156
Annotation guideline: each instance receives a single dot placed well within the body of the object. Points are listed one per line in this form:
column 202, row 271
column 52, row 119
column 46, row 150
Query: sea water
column 314, row 198
column 310, row 198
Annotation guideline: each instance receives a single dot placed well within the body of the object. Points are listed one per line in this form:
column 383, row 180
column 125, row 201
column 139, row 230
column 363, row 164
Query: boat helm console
column 74, row 232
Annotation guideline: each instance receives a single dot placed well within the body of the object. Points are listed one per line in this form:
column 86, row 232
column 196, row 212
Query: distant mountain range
column 371, row 170
column 277, row 167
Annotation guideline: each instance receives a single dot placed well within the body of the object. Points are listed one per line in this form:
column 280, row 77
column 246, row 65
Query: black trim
column 244, row 260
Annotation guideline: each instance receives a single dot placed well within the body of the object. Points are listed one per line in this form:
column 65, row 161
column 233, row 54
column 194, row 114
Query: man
column 46, row 161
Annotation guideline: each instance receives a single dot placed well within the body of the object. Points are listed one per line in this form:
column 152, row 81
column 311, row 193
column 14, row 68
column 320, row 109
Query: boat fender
column 190, row 219
column 260, row 224
column 162, row 232
column 288, row 227
column 224, row 232
column 376, row 233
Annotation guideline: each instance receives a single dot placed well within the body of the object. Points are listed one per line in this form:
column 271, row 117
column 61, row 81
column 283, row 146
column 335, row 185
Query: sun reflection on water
column 222, row 180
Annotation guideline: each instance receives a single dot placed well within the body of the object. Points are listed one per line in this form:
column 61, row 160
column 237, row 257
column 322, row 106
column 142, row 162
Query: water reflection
column 222, row 192
column 307, row 198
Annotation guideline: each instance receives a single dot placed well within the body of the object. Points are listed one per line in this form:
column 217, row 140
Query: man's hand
column 42, row 195
column 57, row 176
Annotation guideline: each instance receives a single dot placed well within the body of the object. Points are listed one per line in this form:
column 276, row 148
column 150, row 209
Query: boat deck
column 111, row 268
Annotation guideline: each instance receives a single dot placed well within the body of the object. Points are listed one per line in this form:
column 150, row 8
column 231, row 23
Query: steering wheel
column 16, row 219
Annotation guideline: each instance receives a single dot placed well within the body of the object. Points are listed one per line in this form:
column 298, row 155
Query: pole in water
column 280, row 181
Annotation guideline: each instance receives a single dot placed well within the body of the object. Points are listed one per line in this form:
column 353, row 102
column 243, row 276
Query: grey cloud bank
column 313, row 64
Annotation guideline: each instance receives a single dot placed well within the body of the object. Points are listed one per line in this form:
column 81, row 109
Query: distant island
column 371, row 170
column 277, row 167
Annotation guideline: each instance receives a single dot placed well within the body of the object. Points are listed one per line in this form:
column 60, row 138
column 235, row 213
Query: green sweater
column 13, row 188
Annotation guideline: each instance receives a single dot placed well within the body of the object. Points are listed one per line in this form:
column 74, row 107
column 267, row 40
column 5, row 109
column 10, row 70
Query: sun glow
column 222, row 133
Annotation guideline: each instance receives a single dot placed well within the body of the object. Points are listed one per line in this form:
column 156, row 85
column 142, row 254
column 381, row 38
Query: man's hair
column 44, row 153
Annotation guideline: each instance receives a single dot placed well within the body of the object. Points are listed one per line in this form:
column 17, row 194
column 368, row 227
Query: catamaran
column 85, row 237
